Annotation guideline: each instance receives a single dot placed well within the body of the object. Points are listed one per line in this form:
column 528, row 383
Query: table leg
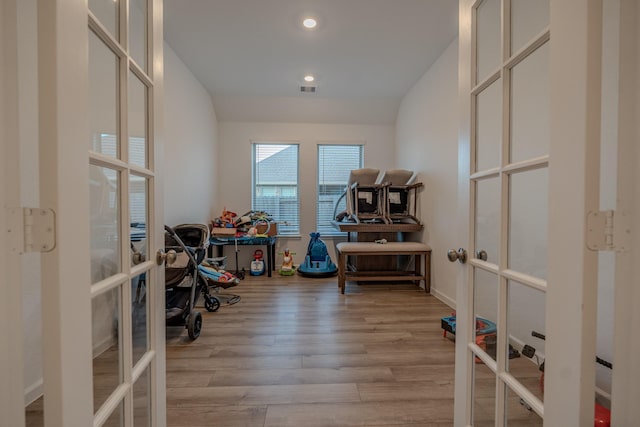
column 269, row 259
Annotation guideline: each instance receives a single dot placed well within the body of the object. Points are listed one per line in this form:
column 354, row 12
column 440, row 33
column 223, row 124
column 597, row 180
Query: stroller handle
column 169, row 230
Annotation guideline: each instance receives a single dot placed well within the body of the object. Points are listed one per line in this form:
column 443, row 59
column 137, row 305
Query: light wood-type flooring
column 295, row 352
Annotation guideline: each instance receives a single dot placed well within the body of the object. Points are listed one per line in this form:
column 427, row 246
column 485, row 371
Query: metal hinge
column 31, row 230
column 608, row 231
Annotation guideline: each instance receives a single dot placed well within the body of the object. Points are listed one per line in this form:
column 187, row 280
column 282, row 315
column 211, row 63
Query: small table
column 268, row 241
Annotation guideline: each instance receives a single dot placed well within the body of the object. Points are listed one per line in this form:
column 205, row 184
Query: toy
column 317, row 262
column 485, row 334
column 602, row 415
column 257, row 265
column 216, row 276
column 287, row 268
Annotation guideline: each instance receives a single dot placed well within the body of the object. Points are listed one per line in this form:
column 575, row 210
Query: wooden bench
column 420, row 251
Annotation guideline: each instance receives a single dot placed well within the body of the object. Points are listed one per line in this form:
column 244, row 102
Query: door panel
column 138, row 121
column 107, row 345
column 488, row 37
column 507, row 205
column 105, row 211
column 138, row 34
column 107, row 12
column 484, row 396
column 103, row 97
column 530, row 97
column 518, row 414
column 142, row 400
column 485, row 306
column 528, row 211
column 488, row 135
column 528, row 19
column 487, row 220
column 122, row 183
column 527, row 311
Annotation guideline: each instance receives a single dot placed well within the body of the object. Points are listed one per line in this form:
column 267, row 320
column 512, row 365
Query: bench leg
column 427, row 272
column 341, row 271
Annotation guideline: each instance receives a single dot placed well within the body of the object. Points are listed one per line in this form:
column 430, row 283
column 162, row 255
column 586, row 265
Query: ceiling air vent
column 308, row 89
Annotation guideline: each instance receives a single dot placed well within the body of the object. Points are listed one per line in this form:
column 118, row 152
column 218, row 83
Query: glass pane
column 526, row 314
column 528, row 19
column 488, row 38
column 107, row 372
column 103, row 97
column 104, row 195
column 530, row 104
column 108, row 14
column 519, row 413
column 142, row 400
column 489, row 127
column 484, row 395
column 138, row 189
column 137, row 121
column 275, row 185
column 138, row 32
column 335, row 163
column 485, row 305
column 487, row 219
column 139, row 316
column 116, row 419
column 528, row 222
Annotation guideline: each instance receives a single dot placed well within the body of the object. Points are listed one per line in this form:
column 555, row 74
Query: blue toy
column 317, row 263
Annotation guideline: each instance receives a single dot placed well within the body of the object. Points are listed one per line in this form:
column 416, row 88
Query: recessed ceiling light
column 309, row 78
column 309, row 23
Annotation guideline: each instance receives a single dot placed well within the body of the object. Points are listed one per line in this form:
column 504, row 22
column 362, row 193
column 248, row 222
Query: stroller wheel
column 211, row 303
column 194, row 324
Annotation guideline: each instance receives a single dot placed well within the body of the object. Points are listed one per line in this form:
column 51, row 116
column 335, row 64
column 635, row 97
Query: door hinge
column 31, row 230
column 608, row 231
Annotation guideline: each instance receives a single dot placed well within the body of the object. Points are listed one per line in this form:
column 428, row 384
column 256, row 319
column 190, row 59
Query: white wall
column 191, row 145
column 427, row 142
column 234, row 168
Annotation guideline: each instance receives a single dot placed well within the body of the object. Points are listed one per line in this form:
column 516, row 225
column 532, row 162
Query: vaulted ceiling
column 252, row 55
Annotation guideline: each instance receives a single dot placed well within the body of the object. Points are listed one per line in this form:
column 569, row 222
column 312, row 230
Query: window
column 275, row 185
column 335, row 162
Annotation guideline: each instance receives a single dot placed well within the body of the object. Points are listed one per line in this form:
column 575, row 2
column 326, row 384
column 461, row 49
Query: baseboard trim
column 444, row 298
column 33, row 392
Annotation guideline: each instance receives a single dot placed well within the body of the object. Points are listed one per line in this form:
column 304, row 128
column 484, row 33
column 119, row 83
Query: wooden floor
column 295, row 352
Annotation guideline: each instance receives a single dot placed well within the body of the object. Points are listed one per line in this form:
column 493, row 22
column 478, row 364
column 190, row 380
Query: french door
column 529, row 167
column 506, row 157
column 99, row 91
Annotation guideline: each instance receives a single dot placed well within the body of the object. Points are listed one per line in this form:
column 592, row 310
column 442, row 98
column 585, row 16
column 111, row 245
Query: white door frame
column 625, row 392
column 64, row 132
column 464, row 297
column 11, row 360
column 574, row 190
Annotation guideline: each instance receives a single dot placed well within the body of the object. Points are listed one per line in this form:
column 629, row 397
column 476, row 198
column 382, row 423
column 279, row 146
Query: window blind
column 335, row 162
column 275, row 184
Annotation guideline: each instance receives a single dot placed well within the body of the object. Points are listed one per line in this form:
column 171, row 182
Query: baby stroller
column 186, row 246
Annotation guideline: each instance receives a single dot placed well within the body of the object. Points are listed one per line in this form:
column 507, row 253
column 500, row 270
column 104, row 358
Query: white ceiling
column 251, row 55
